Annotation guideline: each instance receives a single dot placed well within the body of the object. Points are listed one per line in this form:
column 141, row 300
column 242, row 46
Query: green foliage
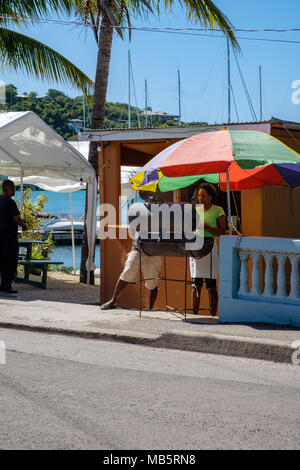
column 32, row 95
column 34, row 225
column 52, row 93
column 203, row 12
column 57, row 109
column 10, row 94
column 197, row 123
column 64, row 269
column 23, row 53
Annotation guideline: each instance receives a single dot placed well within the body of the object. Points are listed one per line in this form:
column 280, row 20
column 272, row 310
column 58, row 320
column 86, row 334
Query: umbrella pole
column 228, row 204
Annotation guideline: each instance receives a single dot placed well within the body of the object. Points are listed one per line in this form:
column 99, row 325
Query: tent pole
column 72, row 232
column 228, row 204
column 22, row 194
column 89, row 243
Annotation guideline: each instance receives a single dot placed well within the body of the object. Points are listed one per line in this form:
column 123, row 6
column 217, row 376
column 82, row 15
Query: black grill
column 169, row 239
column 175, row 247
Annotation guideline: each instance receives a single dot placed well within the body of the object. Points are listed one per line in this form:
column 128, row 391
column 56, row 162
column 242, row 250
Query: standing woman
column 208, row 267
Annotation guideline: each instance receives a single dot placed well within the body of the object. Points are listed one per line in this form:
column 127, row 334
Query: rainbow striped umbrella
column 251, row 159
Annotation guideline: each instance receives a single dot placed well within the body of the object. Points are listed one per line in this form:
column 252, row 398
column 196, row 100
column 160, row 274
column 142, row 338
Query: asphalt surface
column 60, row 392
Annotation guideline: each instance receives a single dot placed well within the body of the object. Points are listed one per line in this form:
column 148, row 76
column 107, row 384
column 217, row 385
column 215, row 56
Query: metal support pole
column 229, row 81
column 179, row 98
column 166, row 291
column 83, row 109
column 22, row 194
column 129, row 91
column 90, row 240
column 146, row 104
column 72, row 234
column 185, row 286
column 260, row 94
column 228, row 204
column 140, row 278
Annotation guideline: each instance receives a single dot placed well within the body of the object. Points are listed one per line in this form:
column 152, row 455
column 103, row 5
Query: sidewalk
column 69, row 308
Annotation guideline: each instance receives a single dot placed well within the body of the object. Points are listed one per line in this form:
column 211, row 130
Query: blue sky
column 202, row 61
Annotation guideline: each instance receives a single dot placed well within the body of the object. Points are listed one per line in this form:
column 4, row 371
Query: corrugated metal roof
column 158, row 133
column 286, row 124
column 225, row 124
column 178, row 132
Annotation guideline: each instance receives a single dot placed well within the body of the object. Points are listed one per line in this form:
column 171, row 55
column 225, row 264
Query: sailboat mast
column 146, row 104
column 260, row 93
column 83, row 110
column 129, row 87
column 229, row 81
column 179, row 98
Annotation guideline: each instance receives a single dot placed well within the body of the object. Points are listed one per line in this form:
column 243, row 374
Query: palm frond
column 206, row 13
column 136, row 8
column 119, row 12
column 21, row 53
column 15, row 10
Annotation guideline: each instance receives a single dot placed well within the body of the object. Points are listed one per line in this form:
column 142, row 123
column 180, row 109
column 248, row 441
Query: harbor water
column 59, row 204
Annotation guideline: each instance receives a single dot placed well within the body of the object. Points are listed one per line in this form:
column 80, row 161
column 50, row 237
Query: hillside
column 65, row 114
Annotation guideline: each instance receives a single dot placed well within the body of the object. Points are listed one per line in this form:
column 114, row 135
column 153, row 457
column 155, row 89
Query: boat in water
column 61, row 230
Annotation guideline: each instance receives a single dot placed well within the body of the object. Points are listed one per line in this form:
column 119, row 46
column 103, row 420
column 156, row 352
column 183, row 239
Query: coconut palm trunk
column 101, row 82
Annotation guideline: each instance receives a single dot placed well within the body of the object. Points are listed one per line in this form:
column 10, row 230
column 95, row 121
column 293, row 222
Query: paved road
column 60, row 392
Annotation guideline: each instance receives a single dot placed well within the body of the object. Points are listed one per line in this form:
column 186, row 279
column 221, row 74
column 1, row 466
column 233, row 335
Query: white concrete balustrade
column 281, row 280
column 267, row 299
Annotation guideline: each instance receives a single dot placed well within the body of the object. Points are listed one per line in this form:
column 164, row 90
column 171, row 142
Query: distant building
column 161, row 115
column 75, row 125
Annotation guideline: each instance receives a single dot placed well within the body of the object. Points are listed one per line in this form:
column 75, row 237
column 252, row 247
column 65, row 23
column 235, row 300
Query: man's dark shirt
column 8, row 210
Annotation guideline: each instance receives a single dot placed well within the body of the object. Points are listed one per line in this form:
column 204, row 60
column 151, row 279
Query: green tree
column 34, row 225
column 22, row 53
column 105, row 16
column 10, row 94
column 32, row 95
column 58, row 109
column 54, row 94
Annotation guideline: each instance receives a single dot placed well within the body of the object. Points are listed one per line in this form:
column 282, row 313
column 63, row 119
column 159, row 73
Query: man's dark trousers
column 8, row 261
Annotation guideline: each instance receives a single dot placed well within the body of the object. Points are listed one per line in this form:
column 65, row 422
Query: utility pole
column 179, row 98
column 229, row 81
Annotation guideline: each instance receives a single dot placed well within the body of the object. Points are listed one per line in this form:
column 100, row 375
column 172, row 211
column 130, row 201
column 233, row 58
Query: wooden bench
column 30, row 265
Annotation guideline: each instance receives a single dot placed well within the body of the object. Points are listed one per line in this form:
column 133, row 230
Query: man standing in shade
column 9, row 221
column 150, row 265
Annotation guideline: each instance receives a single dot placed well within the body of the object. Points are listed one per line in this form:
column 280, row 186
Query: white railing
column 259, row 280
column 269, row 277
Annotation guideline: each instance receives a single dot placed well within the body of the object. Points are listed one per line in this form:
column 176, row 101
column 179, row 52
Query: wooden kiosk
column 268, row 211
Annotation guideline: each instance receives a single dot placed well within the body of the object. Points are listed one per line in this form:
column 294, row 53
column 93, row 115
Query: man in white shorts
column 150, row 266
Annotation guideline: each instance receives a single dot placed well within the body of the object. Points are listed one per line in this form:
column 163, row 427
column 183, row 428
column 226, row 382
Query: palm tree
column 20, row 52
column 105, row 16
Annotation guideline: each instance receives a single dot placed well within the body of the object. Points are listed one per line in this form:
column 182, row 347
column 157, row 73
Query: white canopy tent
column 126, row 171
column 32, row 151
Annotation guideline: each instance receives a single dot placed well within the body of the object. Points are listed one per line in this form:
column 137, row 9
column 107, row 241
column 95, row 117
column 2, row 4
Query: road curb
column 252, row 348
column 109, row 335
column 238, row 346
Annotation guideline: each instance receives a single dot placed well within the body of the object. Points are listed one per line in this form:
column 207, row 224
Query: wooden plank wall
column 281, row 205
column 290, row 137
